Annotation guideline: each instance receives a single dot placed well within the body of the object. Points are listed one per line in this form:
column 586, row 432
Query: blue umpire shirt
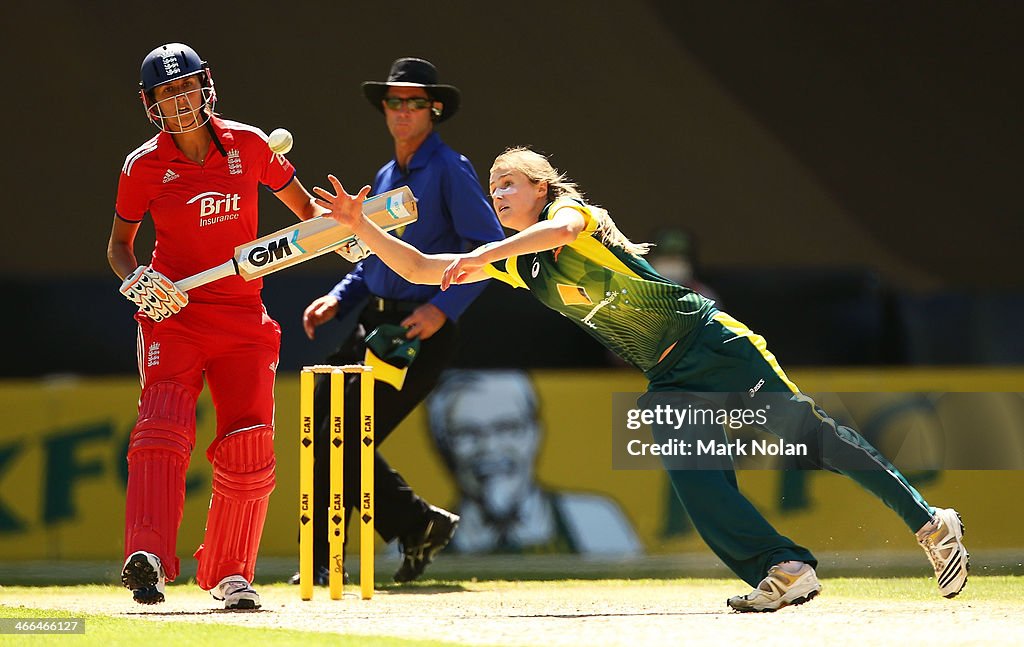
column 454, row 216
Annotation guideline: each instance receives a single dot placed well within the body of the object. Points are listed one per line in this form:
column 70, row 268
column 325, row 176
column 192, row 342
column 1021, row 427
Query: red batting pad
column 158, row 456
column 243, row 478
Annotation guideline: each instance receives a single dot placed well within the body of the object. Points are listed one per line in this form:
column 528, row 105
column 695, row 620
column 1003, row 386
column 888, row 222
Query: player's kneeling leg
column 243, row 478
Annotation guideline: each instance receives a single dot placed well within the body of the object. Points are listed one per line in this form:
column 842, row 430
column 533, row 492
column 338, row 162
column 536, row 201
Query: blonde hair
column 538, row 169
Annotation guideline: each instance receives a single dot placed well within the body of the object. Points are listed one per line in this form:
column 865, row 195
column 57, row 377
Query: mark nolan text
column 752, row 447
column 738, row 447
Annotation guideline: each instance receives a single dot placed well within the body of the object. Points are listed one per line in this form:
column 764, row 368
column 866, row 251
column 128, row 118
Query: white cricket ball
column 280, row 141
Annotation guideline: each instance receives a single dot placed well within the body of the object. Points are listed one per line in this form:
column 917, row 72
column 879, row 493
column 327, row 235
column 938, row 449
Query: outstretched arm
column 561, row 229
column 400, row 256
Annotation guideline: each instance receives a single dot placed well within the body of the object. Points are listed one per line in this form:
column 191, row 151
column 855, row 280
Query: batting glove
column 354, row 250
column 154, row 293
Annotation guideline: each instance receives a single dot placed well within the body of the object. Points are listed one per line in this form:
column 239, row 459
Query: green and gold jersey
column 615, row 296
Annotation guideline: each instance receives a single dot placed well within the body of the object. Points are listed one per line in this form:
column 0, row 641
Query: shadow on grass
column 446, row 574
column 197, row 612
column 573, row 616
column 421, row 588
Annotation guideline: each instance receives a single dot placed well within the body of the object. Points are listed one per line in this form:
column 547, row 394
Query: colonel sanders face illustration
column 485, row 426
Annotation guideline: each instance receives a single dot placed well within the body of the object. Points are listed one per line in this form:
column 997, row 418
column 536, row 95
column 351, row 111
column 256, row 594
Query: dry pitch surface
column 606, row 612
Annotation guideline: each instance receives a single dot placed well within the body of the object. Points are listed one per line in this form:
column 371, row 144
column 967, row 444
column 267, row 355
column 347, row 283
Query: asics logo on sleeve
column 756, row 388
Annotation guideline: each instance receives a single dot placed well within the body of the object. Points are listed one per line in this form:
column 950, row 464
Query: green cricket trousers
column 726, row 365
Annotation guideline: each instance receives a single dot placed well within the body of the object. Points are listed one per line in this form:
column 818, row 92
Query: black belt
column 393, row 306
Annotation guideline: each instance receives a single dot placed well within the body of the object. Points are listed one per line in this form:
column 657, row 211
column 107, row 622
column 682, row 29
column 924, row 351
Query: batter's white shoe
column 144, row 575
column 779, row 589
column 943, row 542
column 236, row 593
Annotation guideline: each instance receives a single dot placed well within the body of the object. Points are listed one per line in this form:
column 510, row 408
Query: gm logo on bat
column 272, row 251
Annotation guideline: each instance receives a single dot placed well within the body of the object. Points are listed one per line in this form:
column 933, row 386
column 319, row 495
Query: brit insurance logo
column 215, row 207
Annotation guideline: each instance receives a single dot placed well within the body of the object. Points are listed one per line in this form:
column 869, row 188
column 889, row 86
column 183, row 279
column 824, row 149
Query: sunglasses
column 414, row 103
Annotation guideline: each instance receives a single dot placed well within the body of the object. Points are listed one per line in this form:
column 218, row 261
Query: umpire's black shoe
column 321, row 576
column 419, row 549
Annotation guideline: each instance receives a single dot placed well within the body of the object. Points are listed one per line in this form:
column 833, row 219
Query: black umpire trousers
column 398, row 510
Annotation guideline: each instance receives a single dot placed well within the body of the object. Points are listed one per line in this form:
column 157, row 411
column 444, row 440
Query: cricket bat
column 305, row 240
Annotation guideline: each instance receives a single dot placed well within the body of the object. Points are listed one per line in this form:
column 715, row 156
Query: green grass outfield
column 551, row 612
column 116, row 630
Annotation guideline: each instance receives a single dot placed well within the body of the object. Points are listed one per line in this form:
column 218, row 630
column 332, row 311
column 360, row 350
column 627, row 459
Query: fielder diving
column 574, row 259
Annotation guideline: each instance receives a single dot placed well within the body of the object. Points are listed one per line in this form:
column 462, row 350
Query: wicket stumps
column 336, row 505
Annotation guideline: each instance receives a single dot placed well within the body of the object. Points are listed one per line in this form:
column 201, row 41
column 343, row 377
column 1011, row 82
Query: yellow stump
column 366, row 507
column 336, row 513
column 306, row 485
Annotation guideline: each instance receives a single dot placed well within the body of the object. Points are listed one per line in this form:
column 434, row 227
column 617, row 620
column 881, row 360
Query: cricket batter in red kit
column 198, row 179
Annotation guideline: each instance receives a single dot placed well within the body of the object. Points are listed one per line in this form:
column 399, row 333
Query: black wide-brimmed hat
column 415, row 73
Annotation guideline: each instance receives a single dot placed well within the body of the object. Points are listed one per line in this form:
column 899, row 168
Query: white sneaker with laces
column 144, row 575
column 236, row 593
column 779, row 589
column 942, row 541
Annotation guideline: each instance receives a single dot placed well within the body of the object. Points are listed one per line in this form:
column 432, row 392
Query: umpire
column 454, row 216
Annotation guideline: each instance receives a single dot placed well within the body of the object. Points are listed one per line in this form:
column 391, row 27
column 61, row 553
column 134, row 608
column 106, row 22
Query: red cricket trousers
column 235, row 348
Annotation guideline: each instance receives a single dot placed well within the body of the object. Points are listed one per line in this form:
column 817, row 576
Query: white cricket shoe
column 943, row 541
column 779, row 589
column 236, row 593
column 144, row 575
